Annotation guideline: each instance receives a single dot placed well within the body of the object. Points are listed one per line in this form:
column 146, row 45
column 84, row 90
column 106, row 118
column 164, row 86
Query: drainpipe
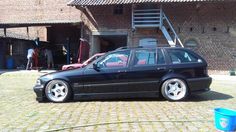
column 68, row 50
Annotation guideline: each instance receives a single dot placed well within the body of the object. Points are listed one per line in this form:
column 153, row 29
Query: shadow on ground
column 1, row 72
column 94, row 99
column 211, row 95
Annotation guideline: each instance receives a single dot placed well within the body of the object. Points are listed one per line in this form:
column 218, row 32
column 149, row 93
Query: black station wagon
column 173, row 73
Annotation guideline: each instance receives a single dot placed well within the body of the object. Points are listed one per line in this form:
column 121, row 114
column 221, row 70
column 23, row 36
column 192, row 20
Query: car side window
column 115, row 60
column 181, row 56
column 160, row 57
column 144, row 57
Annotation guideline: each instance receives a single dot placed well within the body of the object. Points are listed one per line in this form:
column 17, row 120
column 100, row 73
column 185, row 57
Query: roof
column 35, row 23
column 115, row 2
column 14, row 35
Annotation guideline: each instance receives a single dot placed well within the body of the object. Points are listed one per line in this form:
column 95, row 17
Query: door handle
column 161, row 68
column 121, row 71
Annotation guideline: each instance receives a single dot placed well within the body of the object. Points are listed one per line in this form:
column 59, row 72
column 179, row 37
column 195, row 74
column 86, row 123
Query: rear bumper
column 39, row 93
column 199, row 85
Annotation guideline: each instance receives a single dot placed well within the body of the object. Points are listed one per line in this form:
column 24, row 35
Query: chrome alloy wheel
column 57, row 91
column 174, row 89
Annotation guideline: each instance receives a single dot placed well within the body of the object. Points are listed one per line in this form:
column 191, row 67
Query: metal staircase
column 155, row 18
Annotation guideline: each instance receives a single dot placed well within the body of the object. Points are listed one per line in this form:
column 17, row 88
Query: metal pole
column 82, row 30
column 161, row 17
column 68, row 51
column 132, row 17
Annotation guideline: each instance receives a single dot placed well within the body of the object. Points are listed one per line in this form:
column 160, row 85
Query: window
column 145, row 57
column 118, row 10
column 181, row 56
column 148, row 42
column 117, row 59
column 91, row 60
column 160, row 57
column 191, row 43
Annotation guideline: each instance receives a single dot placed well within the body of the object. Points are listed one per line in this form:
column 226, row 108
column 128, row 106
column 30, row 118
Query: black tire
column 174, row 89
column 58, row 91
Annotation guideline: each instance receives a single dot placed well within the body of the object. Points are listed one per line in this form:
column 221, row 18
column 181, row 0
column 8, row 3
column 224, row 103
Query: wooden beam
column 5, row 32
column 27, row 30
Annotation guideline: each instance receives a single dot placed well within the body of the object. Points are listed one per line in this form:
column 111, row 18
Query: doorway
column 148, row 42
column 64, row 43
column 107, row 43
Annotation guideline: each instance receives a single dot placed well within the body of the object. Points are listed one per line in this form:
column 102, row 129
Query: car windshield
column 116, row 59
column 91, row 59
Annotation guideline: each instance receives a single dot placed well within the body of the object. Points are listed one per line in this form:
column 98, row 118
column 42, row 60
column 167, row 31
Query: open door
column 83, row 51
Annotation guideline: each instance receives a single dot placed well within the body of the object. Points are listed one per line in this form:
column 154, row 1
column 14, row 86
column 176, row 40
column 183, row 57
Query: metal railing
column 176, row 37
column 155, row 18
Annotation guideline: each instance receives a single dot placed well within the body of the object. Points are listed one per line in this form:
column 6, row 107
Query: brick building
column 206, row 26
column 52, row 21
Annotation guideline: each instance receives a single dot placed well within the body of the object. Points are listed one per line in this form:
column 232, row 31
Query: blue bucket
column 225, row 119
column 10, row 63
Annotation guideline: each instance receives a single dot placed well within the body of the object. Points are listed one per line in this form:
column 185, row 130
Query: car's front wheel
column 174, row 89
column 58, row 91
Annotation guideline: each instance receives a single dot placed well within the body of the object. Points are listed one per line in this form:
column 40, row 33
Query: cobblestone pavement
column 20, row 112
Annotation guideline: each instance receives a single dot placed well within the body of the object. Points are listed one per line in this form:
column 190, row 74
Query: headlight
column 38, row 82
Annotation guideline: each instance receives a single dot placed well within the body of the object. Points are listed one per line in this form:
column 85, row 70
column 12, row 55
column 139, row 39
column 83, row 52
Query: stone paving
column 20, row 112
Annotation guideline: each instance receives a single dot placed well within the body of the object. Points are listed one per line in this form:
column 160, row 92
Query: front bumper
column 39, row 91
column 199, row 85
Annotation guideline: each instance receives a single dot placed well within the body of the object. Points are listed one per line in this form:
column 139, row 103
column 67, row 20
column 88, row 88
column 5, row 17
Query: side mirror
column 96, row 67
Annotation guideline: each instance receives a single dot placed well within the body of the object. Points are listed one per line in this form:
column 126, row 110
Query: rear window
column 181, row 56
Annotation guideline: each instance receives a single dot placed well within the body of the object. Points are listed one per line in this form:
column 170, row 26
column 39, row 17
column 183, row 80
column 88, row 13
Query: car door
column 148, row 66
column 109, row 75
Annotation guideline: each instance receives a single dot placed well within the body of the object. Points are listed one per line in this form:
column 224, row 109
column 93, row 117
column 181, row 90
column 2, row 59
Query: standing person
column 35, row 57
column 49, row 57
column 30, row 60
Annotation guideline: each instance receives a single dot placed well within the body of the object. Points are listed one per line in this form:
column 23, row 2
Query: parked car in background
column 173, row 73
column 79, row 65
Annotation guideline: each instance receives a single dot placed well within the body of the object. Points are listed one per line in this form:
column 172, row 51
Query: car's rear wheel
column 174, row 89
column 58, row 91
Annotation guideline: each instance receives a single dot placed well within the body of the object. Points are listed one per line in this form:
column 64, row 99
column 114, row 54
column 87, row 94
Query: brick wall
column 26, row 11
column 213, row 28
column 37, row 10
column 218, row 47
column 32, row 32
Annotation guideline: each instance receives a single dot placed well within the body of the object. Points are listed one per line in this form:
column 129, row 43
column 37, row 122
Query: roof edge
column 36, row 23
column 107, row 2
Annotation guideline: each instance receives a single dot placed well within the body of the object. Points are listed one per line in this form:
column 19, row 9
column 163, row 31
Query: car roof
column 141, row 47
